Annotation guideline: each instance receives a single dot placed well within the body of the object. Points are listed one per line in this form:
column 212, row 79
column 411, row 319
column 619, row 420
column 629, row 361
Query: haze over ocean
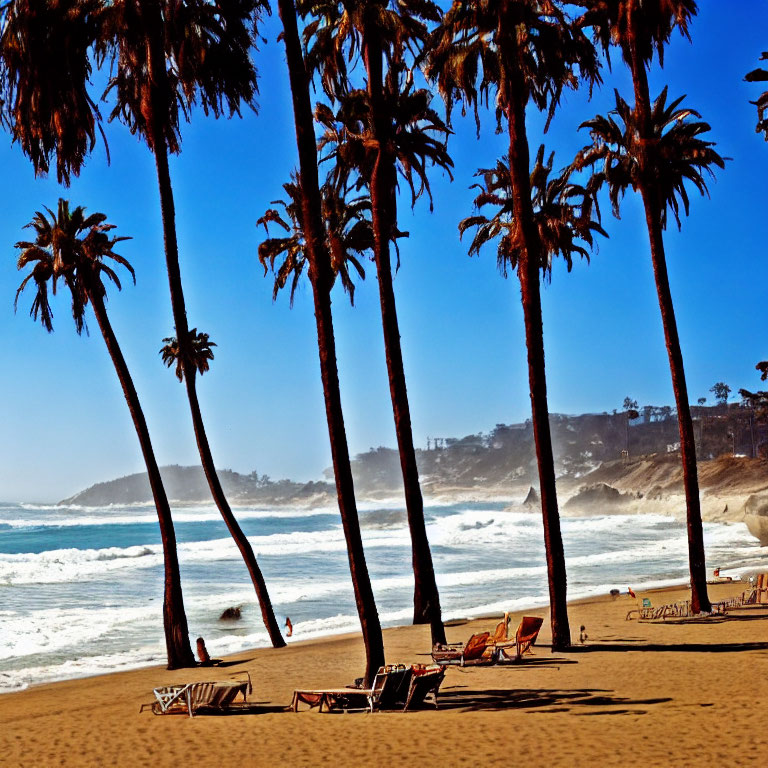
column 64, row 419
column 82, row 587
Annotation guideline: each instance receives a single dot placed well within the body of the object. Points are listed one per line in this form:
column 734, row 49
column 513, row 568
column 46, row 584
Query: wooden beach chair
column 500, row 633
column 390, row 687
column 190, row 698
column 757, row 593
column 526, row 635
column 644, row 610
column 525, row 638
column 462, row 654
column 425, row 683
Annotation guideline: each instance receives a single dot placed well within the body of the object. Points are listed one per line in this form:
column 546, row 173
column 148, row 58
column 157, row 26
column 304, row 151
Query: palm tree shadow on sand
column 548, row 700
column 671, row 647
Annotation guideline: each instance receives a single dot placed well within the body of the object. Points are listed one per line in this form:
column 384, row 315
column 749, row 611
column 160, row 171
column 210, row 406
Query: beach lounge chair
column 390, row 687
column 500, row 633
column 471, row 652
column 644, row 610
column 526, row 635
column 192, row 697
column 425, row 683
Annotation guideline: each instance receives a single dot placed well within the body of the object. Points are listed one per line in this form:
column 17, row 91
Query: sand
column 675, row 694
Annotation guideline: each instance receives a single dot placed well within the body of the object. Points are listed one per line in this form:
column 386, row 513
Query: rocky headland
column 596, row 472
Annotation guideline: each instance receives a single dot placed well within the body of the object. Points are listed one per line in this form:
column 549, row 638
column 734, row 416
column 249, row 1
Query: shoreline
column 661, row 681
column 67, row 650
column 515, row 606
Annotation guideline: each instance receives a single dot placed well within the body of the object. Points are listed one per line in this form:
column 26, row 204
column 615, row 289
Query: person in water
column 288, row 627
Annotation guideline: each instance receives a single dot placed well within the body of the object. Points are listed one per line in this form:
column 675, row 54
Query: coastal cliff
column 595, row 473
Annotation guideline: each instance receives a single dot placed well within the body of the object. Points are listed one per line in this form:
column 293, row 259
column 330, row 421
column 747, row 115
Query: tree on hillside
column 394, row 128
column 517, row 52
column 74, row 249
column 322, row 278
column 630, row 409
column 721, row 391
column 701, row 402
column 655, row 147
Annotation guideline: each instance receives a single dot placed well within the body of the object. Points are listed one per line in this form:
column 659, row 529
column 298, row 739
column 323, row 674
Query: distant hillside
column 187, row 485
column 588, row 451
column 505, row 456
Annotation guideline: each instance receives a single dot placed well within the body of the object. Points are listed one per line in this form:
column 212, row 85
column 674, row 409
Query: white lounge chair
column 191, row 697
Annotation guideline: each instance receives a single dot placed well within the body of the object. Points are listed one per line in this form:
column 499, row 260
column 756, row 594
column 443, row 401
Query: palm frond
column 675, row 156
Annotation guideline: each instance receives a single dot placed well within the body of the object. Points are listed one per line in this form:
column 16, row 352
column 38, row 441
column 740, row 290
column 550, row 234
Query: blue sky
column 64, row 420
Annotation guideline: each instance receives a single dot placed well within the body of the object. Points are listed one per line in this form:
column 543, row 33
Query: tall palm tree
column 384, row 32
column 519, row 52
column 677, row 154
column 660, row 149
column 165, row 58
column 71, row 247
column 200, row 354
column 566, row 215
column 322, row 277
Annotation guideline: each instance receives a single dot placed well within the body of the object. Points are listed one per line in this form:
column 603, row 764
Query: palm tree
column 200, row 354
column 655, row 148
column 321, row 278
column 566, row 216
column 71, row 247
column 44, row 73
column 760, row 76
column 397, row 128
column 347, row 232
column 166, row 57
column 520, row 51
column 630, row 414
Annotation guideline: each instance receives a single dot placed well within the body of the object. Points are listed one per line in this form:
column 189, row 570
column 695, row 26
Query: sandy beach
column 680, row 693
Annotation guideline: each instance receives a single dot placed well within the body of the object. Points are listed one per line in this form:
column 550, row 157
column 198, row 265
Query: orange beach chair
column 525, row 638
column 462, row 654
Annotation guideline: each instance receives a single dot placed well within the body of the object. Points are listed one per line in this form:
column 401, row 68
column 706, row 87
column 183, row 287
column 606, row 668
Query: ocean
column 81, row 588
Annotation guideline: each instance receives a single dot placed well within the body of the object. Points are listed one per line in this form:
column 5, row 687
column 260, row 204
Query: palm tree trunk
column 426, row 598
column 156, row 59
column 321, row 279
column 699, row 597
column 177, row 644
column 627, row 434
column 528, row 273
column 267, row 613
